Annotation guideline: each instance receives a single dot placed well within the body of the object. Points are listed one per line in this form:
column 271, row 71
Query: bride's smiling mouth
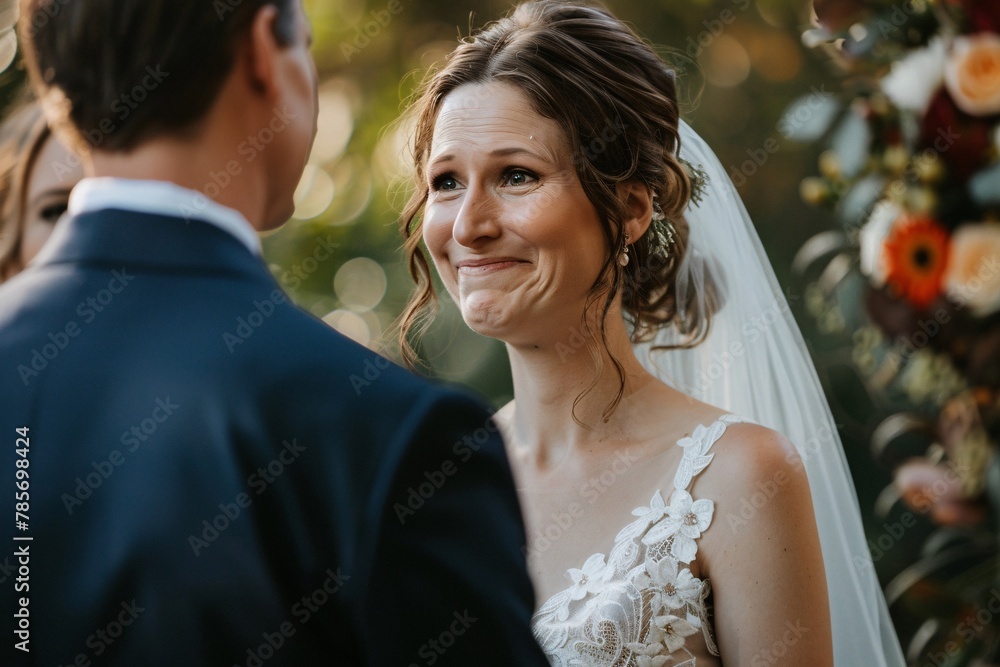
column 486, row 265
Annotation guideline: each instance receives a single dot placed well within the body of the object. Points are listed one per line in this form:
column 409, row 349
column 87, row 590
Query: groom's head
column 115, row 75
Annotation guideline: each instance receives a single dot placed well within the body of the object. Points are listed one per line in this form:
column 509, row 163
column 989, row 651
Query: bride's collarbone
column 649, row 452
column 600, row 466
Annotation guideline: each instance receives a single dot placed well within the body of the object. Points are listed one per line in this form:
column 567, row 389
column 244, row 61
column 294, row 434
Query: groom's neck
column 207, row 160
column 195, row 167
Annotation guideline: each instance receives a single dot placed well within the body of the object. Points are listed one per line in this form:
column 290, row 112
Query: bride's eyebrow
column 499, row 152
column 438, row 160
column 49, row 194
column 516, row 150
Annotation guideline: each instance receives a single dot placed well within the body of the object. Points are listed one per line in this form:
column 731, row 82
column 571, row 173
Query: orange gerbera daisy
column 916, row 256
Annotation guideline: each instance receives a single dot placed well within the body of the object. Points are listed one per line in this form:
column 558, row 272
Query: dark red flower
column 982, row 15
column 983, row 354
column 837, row 15
column 961, row 140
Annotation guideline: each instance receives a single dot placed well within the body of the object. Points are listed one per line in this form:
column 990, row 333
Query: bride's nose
column 477, row 220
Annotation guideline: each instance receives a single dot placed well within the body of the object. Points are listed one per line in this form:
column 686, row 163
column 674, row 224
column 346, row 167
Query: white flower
column 671, row 587
column 590, row 579
column 872, row 238
column 647, row 655
column 702, row 438
column 657, row 510
column 696, row 456
column 686, row 520
column 671, row 630
column 913, row 81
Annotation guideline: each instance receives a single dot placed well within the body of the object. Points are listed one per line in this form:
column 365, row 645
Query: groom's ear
column 261, row 51
column 638, row 201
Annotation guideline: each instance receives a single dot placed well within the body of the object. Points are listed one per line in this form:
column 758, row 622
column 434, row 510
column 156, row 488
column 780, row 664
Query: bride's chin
column 486, row 327
column 487, row 321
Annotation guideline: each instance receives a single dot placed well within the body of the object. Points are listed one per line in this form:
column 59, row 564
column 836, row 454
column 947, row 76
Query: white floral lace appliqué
column 637, row 607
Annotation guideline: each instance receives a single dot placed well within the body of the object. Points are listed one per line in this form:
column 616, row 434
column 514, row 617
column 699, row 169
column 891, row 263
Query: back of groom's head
column 115, row 73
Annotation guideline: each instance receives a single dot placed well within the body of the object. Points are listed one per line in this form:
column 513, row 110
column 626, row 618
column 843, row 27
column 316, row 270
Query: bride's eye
column 518, row 176
column 444, row 182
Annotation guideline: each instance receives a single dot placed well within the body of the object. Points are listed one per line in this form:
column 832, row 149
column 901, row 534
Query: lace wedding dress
column 641, row 606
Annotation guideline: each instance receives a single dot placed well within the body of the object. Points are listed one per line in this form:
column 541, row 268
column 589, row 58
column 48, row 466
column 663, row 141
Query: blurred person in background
column 37, row 173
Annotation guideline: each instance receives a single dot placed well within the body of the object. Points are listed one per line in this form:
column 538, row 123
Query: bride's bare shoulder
column 746, row 445
column 752, row 447
column 746, row 457
column 752, row 462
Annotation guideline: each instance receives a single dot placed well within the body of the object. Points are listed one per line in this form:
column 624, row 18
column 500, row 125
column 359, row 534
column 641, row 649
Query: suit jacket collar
column 159, row 198
column 116, row 237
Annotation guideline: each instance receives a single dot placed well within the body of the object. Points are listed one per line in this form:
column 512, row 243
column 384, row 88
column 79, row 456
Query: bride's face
column 510, row 229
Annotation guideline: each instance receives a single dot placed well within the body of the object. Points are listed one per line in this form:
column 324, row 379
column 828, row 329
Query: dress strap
column 696, row 455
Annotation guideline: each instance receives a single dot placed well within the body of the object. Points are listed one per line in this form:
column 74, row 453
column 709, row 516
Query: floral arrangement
column 913, row 174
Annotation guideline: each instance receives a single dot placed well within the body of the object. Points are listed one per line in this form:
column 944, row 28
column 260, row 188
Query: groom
column 193, row 476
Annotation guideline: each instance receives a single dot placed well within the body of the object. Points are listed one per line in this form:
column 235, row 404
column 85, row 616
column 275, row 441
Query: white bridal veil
column 754, row 363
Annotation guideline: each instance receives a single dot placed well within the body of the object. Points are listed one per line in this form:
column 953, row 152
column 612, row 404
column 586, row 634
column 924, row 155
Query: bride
column 572, row 215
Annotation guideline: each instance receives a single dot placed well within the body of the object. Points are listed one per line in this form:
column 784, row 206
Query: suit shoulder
column 317, row 351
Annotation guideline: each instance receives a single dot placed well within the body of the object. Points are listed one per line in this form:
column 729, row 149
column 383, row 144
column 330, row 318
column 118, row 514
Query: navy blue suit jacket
column 212, row 476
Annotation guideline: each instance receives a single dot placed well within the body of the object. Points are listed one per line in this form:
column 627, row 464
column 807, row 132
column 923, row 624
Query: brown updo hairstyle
column 615, row 99
column 22, row 136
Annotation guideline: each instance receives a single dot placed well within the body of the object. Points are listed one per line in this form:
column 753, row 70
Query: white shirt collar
column 160, row 198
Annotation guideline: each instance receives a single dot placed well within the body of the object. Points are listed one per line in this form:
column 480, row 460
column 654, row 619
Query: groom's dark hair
column 114, row 73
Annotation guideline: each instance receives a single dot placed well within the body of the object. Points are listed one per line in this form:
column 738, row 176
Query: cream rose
column 973, row 274
column 972, row 74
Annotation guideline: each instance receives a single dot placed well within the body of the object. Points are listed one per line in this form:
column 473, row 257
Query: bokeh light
column 351, row 325
column 725, row 62
column 335, row 121
column 774, row 54
column 360, row 284
column 355, row 189
column 314, row 194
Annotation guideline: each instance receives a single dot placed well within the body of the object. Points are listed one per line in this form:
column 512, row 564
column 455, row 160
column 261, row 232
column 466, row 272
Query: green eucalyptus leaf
column 852, row 143
column 863, row 38
column 817, row 247
column 809, row 117
column 993, row 483
column 985, row 186
column 857, row 203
